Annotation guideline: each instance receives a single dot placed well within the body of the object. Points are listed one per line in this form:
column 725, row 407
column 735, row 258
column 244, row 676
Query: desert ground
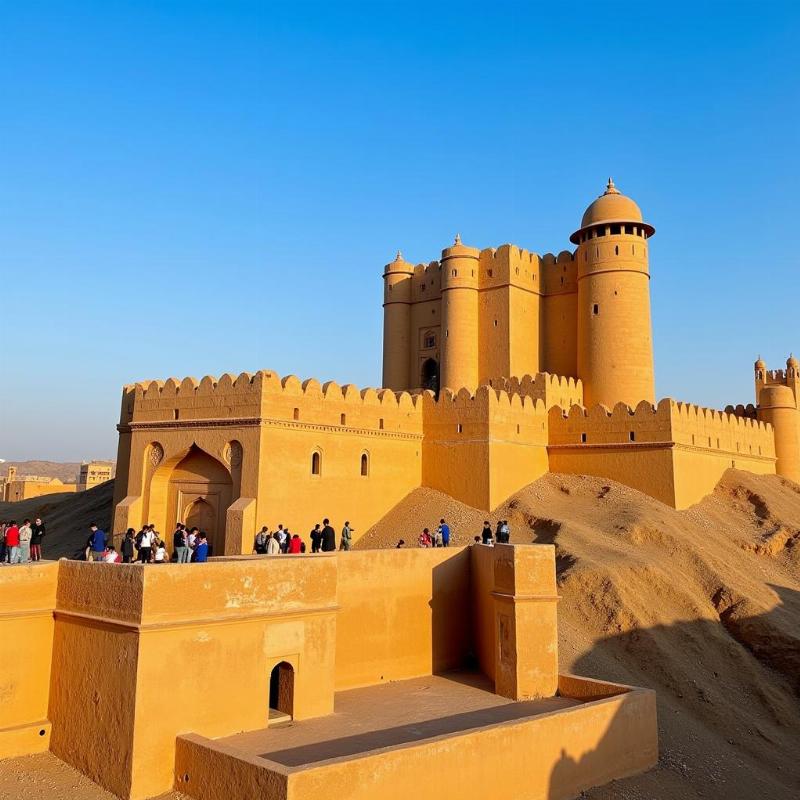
column 701, row 605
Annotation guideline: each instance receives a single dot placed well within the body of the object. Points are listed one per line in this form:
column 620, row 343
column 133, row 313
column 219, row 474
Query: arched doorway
column 281, row 692
column 430, row 375
column 200, row 490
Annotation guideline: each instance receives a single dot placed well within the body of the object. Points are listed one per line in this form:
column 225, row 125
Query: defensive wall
column 675, row 452
column 233, row 454
column 103, row 643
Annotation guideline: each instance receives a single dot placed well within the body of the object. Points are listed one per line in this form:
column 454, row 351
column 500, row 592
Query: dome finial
column 457, row 239
column 610, row 188
column 399, row 256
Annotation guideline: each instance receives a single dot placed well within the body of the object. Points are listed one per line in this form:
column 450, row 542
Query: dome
column 792, row 362
column 760, row 364
column 611, row 206
column 776, row 396
column 399, row 265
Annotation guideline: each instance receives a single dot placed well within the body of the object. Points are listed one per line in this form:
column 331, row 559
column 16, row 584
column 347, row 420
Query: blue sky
column 189, row 188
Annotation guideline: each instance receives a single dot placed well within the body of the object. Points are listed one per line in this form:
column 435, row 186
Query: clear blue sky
column 188, row 188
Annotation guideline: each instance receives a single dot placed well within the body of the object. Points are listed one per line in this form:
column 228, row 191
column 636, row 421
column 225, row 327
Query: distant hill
column 65, row 471
column 66, row 516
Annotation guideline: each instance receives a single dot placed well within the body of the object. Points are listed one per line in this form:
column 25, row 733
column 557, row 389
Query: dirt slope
column 702, row 605
column 66, row 516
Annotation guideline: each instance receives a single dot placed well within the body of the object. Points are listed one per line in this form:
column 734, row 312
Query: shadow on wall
column 451, row 616
column 728, row 695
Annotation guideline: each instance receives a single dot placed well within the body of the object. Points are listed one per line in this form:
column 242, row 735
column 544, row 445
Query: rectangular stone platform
column 433, row 737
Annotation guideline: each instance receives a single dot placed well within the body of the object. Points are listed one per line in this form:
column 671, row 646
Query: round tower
column 459, row 366
column 776, row 405
column 396, row 323
column 615, row 341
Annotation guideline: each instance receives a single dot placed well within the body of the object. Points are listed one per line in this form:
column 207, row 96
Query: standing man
column 328, row 536
column 444, row 529
column 12, row 542
column 316, row 539
column 126, row 546
column 37, row 534
column 97, row 543
column 201, row 551
column 260, row 542
column 180, row 544
column 347, row 536
column 25, row 536
column 273, row 545
column 486, row 533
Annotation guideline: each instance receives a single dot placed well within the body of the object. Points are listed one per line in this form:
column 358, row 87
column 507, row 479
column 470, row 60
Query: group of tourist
column 20, row 544
column 282, row 540
column 148, row 546
column 440, row 537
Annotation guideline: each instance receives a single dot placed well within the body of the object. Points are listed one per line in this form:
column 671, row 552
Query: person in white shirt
column 161, row 554
column 145, row 545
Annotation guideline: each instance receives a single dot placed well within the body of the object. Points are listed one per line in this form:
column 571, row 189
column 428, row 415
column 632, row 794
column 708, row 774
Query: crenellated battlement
column 749, row 411
column 552, row 390
column 670, row 421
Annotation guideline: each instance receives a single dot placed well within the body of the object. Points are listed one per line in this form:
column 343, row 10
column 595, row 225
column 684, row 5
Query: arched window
column 316, row 463
column 364, row 465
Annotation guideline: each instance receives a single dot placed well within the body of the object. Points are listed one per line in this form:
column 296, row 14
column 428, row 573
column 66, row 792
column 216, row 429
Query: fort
column 15, row 487
column 499, row 366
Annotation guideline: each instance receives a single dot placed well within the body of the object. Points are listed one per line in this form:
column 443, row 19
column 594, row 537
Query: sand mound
column 702, row 605
column 66, row 516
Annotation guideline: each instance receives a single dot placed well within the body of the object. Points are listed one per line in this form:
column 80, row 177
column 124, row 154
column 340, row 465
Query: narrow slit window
column 583, row 438
column 596, row 309
column 343, row 419
column 316, row 463
column 632, row 436
column 364, row 465
column 296, row 414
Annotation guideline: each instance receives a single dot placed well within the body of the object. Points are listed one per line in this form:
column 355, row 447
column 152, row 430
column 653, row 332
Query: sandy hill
column 702, row 605
column 67, row 517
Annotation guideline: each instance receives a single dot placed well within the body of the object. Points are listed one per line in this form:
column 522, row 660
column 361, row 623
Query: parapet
column 552, row 390
column 669, row 421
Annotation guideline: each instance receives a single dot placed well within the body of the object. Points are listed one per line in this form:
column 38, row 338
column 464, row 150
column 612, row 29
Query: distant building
column 93, row 473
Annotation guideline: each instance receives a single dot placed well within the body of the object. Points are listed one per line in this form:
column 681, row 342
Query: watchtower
column 615, row 342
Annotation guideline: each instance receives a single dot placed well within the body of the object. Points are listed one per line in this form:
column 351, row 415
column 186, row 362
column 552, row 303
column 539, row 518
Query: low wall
column 27, row 600
column 401, row 614
column 552, row 756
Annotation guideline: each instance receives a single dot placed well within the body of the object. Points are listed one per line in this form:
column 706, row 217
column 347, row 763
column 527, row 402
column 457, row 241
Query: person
column 444, row 529
column 3, row 527
column 400, row 544
column 201, row 551
column 498, row 531
column 145, row 544
column 191, row 541
column 295, row 543
column 425, row 538
column 160, row 554
column 25, row 536
column 12, row 542
column 486, row 534
column 111, row 555
column 180, row 544
column 37, row 534
column 477, row 540
column 506, row 532
column 316, row 539
column 97, row 544
column 436, row 539
column 282, row 538
column 273, row 545
column 347, row 536
column 128, row 542
column 260, row 542
column 328, row 536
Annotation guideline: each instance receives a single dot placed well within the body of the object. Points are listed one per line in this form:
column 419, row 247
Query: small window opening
column 615, row 230
column 176, row 414
column 364, row 465
column 296, row 414
column 316, row 463
column 583, row 438
column 460, row 428
column 616, row 249
column 343, row 419
column 596, row 309
column 629, row 229
column 495, row 323
column 517, row 428
column 455, row 273
column 380, row 423
column 632, row 436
